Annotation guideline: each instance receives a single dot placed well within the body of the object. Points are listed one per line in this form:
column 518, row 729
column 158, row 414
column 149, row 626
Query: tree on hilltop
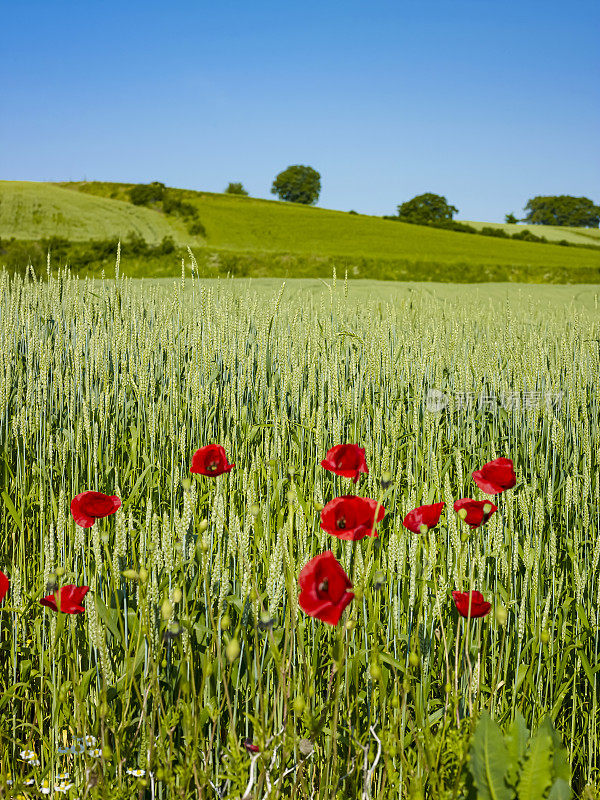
column 426, row 208
column 236, row 188
column 563, row 209
column 510, row 218
column 298, row 184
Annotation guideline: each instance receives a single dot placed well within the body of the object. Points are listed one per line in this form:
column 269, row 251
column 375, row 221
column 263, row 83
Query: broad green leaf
column 560, row 790
column 536, row 774
column 560, row 761
column 516, row 742
column 489, row 756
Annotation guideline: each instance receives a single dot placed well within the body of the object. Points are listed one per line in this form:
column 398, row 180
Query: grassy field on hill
column 554, row 233
column 250, row 237
column 36, row 210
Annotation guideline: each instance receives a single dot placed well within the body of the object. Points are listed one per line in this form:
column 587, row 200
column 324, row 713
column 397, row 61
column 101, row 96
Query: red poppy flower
column 474, row 512
column 4, row 584
column 421, row 519
column 496, row 476
column 479, row 608
column 88, row 506
column 210, row 460
column 251, row 748
column 347, row 460
column 324, row 588
column 350, row 517
column 70, row 599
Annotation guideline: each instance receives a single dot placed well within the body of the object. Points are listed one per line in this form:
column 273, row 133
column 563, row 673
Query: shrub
column 489, row 231
column 197, row 229
column 236, row 188
column 144, row 193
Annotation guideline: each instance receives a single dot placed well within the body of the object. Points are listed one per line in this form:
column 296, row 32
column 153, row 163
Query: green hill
column 37, row 210
column 248, row 236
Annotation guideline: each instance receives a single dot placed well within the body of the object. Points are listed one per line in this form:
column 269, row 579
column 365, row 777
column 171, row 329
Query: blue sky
column 487, row 103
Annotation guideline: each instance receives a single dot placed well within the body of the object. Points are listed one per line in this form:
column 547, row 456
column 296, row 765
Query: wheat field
column 193, row 671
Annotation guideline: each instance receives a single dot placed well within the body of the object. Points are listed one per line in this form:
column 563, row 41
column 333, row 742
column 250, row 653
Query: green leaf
column 560, row 761
column 560, row 790
column 521, row 673
column 588, row 669
column 12, row 510
column 536, row 775
column 489, row 756
column 132, row 494
column 516, row 742
column 109, row 617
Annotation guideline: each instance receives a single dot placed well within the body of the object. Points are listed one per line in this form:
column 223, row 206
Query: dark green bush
column 488, row 231
column 144, row 193
column 197, row 229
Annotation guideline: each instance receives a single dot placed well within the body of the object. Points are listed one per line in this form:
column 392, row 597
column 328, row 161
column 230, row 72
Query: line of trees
column 302, row 184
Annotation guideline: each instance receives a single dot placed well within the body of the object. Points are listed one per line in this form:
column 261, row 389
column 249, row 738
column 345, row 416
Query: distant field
column 553, row 233
column 31, row 210
column 251, row 237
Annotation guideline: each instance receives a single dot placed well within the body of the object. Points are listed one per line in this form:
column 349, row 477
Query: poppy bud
column 166, row 609
column 318, row 506
column 130, row 574
column 225, row 622
column 378, row 580
column 255, row 509
column 205, row 545
column 448, row 688
column 375, row 671
column 386, row 480
column 203, row 525
column 60, row 571
column 395, row 701
column 299, row 704
column 143, row 573
column 106, row 752
column 350, row 624
column 177, row 594
column 501, row 615
column 253, row 595
column 232, row 650
column 265, row 622
column 413, row 659
column 544, row 637
column 462, row 513
column 306, row 747
column 103, row 709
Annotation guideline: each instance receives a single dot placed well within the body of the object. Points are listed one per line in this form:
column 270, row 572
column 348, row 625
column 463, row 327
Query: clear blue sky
column 488, row 103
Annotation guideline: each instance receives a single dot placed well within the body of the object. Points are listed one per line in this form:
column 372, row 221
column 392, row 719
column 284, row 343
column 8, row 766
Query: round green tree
column 426, row 208
column 298, row 184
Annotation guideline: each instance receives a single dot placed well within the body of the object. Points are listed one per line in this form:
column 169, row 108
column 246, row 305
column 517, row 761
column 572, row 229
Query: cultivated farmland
column 193, row 670
column 245, row 236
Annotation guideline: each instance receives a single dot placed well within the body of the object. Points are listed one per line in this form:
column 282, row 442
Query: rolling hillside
column 31, row 210
column 257, row 233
